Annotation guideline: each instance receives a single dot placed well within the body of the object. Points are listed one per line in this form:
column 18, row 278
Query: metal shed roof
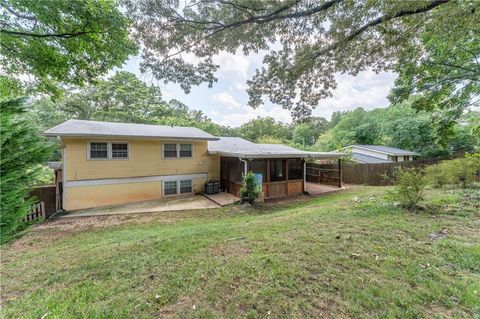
column 83, row 128
column 239, row 147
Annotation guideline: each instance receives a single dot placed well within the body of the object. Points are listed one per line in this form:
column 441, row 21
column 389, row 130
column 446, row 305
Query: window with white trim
column 170, row 188
column 107, row 150
column 185, row 150
column 119, row 150
column 180, row 150
column 185, row 186
column 98, row 150
column 169, row 150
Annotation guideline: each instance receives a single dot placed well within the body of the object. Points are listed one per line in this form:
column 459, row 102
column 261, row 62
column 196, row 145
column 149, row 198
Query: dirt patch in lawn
column 56, row 229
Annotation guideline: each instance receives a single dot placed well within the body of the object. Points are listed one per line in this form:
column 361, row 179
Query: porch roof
column 239, row 147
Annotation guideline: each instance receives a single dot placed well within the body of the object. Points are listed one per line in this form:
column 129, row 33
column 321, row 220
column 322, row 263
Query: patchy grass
column 325, row 257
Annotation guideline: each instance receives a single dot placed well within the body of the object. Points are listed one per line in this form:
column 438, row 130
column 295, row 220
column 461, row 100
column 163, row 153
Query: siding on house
column 99, row 182
column 370, row 153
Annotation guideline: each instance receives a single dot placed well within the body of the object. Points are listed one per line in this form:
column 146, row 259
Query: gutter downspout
column 245, row 165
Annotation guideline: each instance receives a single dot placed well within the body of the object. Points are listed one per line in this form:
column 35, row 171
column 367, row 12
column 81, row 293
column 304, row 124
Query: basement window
column 170, row 188
column 185, row 186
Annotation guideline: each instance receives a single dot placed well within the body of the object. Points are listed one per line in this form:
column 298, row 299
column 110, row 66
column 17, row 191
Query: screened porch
column 280, row 176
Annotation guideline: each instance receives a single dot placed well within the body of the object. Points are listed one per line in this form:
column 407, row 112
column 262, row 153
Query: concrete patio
column 160, row 205
column 317, row 189
column 222, row 198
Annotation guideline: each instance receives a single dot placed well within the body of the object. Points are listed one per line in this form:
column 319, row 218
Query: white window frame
column 109, row 151
column 177, row 190
column 178, row 151
column 180, row 186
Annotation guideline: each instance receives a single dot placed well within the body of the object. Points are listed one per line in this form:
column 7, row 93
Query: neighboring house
column 371, row 154
column 112, row 163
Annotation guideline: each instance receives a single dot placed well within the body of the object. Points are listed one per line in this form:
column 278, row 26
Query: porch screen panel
column 259, row 167
column 239, row 170
column 277, row 170
column 295, row 169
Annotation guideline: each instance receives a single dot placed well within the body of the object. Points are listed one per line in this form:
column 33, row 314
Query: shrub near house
column 458, row 172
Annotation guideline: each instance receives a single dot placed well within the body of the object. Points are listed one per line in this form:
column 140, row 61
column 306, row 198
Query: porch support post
column 268, row 178
column 304, row 175
column 286, row 177
column 340, row 172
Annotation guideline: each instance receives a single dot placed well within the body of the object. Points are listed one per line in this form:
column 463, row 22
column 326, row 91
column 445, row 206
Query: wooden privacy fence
column 37, row 212
column 370, row 174
column 47, row 194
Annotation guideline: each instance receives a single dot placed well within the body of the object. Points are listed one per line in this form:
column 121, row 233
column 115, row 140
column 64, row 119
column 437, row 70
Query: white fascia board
column 96, row 136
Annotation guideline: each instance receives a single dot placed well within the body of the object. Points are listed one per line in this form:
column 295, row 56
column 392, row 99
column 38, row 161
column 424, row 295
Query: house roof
column 83, row 128
column 362, row 158
column 239, row 147
column 386, row 150
column 54, row 165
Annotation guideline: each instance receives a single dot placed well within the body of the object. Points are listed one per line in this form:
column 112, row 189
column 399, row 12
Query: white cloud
column 240, row 86
column 227, row 100
column 232, row 66
column 368, row 90
column 237, row 119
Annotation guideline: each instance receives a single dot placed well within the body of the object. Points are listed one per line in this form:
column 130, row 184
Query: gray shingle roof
column 110, row 129
column 386, row 149
column 239, row 147
column 362, row 158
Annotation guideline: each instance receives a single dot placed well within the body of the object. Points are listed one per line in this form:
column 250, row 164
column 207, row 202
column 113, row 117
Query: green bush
column 408, row 188
column 22, row 152
column 438, row 176
column 458, row 172
column 250, row 190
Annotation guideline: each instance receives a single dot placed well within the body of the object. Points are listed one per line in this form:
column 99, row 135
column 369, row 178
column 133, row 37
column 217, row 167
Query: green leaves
column 22, row 149
column 308, row 42
column 63, row 41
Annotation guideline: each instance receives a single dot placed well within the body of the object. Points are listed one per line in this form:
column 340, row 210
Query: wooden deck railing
column 324, row 176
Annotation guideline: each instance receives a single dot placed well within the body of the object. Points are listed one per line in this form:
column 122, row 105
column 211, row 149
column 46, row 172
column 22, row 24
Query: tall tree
column 62, row 41
column 303, row 134
column 263, row 128
column 442, row 70
column 22, row 150
column 307, row 42
column 120, row 98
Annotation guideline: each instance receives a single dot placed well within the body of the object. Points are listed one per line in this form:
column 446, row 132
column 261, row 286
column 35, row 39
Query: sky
column 226, row 102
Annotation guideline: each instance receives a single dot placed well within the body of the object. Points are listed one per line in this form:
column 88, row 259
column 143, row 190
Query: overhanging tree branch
column 45, row 35
column 380, row 20
column 256, row 19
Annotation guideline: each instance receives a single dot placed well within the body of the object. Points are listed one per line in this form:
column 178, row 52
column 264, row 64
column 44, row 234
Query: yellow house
column 108, row 163
column 111, row 163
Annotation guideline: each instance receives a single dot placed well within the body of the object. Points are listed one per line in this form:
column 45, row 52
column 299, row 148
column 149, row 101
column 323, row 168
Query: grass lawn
column 344, row 255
